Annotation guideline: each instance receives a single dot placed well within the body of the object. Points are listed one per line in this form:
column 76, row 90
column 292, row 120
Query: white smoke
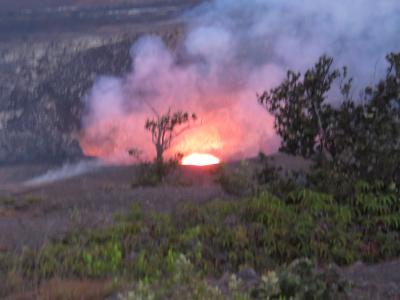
column 68, row 170
column 234, row 49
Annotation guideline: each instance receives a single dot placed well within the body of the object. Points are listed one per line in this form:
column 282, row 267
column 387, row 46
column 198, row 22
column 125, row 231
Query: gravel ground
column 36, row 214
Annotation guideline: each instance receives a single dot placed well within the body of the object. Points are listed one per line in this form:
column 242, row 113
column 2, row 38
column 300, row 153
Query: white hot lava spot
column 200, row 159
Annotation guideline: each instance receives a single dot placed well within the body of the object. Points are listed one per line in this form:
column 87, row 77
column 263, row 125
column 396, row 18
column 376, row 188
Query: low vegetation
column 144, row 250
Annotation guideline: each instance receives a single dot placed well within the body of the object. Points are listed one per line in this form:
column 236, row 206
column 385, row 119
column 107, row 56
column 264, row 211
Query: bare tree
column 163, row 130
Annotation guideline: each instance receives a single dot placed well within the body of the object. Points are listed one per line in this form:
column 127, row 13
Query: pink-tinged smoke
column 233, row 50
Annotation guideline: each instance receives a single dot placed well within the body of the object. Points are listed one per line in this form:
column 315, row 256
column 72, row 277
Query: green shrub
column 262, row 232
column 238, row 180
column 154, row 173
column 146, row 176
column 300, row 280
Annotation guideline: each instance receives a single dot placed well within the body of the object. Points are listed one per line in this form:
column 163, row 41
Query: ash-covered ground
column 31, row 215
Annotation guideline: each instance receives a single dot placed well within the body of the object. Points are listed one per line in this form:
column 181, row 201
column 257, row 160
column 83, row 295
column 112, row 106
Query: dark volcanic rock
column 43, row 80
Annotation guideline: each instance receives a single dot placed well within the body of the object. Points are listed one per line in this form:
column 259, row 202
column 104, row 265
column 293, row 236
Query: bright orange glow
column 204, row 139
column 199, row 159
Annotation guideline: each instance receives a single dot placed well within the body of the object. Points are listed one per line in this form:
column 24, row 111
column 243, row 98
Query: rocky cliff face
column 45, row 74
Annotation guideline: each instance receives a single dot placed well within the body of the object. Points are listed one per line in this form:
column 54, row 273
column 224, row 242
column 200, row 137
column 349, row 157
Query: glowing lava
column 200, row 160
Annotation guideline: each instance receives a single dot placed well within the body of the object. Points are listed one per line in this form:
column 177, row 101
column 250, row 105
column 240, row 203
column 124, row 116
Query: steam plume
column 68, row 170
column 232, row 50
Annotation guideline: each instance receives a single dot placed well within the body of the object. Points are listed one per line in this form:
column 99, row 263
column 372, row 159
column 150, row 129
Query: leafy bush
column 184, row 283
column 152, row 174
column 146, row 176
column 300, row 280
column 238, row 180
